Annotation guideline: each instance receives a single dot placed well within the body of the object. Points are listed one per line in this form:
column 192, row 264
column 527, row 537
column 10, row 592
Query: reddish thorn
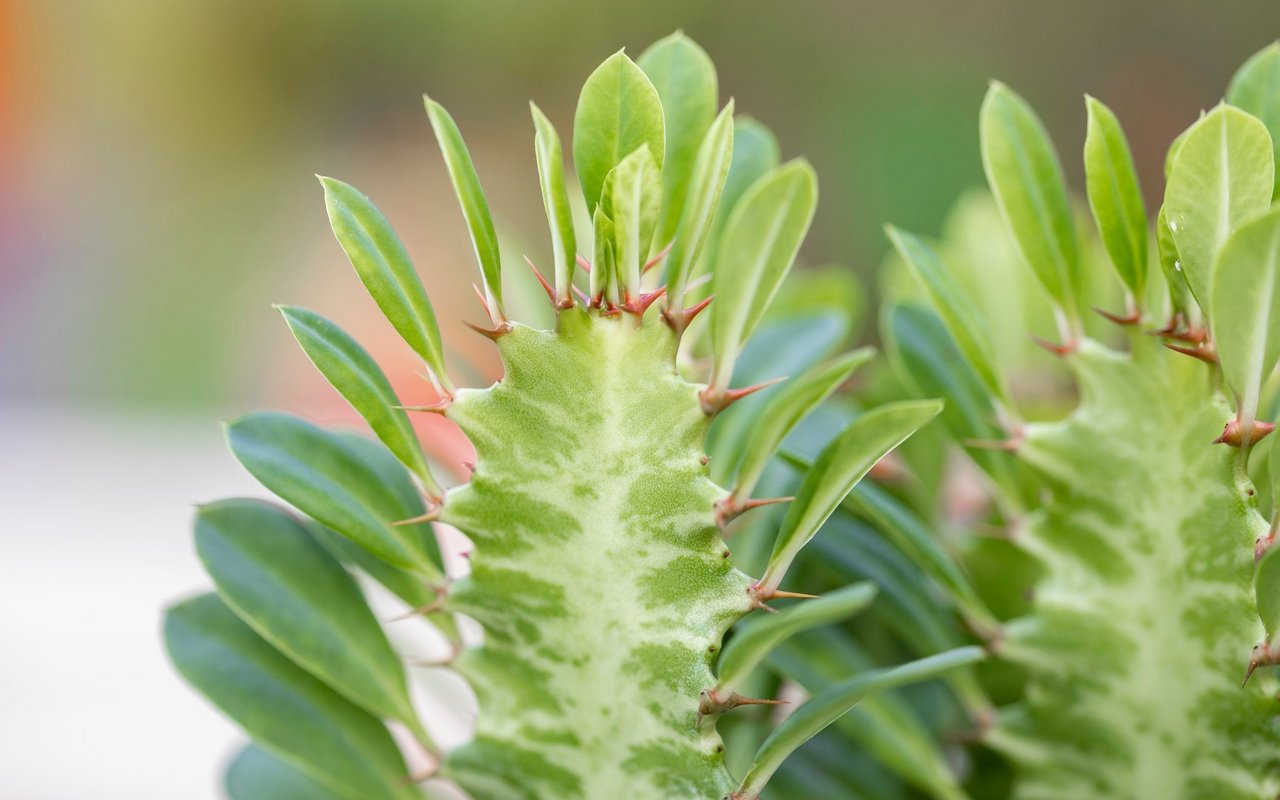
column 1263, row 544
column 765, row 501
column 661, row 254
column 586, row 301
column 551, row 293
column 705, row 460
column 1063, row 349
column 714, row 405
column 611, row 311
column 465, row 554
column 1132, row 318
column 736, row 700
column 484, row 301
column 796, row 595
column 438, row 407
column 640, row 305
column 1175, row 330
column 584, row 263
column 681, row 319
column 470, row 465
column 430, row 516
column 495, row 333
column 1231, row 434
column 1262, row 656
column 1203, row 352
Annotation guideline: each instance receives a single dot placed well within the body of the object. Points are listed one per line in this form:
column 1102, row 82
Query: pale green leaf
column 710, row 171
column 283, row 707
column 255, row 774
column 603, row 282
column 1115, row 196
column 384, row 267
column 1246, row 308
column 632, row 200
column 1256, row 89
column 475, row 209
column 1180, row 296
column 1266, row 584
column 555, row 198
column 755, row 154
column 618, row 111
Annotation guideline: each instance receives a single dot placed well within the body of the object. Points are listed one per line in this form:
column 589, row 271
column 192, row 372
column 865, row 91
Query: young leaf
column 1266, row 583
column 1256, row 89
column 602, row 268
column 759, row 246
column 1246, row 309
column 325, row 478
column 1180, row 296
column 618, row 111
column 255, row 774
column 384, row 267
column 1026, row 179
column 632, row 200
column 785, row 410
column 834, row 702
column 555, row 198
column 1222, row 175
column 475, row 209
column 356, row 376
column 1115, row 197
column 706, row 184
column 839, row 467
column 283, row 707
column 953, row 307
column 754, row 641
column 685, row 79
column 286, row 586
column 755, row 154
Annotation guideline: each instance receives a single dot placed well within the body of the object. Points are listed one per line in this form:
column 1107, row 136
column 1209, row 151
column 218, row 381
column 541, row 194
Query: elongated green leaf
column 759, row 246
column 632, row 199
column 294, row 594
column 283, row 707
column 1222, row 175
column 1115, row 196
column 356, row 376
column 1256, row 89
column 1026, row 179
column 327, row 479
column 952, row 305
column 685, row 79
column 475, row 209
column 618, row 111
column 1246, row 308
column 706, row 184
column 755, row 641
column 755, row 154
column 1180, row 296
column 602, row 267
column 839, row 467
column 834, row 702
column 255, row 774
column 555, row 198
column 785, row 410
column 384, row 267
column 1266, row 584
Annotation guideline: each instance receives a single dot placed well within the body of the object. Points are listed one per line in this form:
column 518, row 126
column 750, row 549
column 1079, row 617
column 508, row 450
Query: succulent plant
column 599, row 572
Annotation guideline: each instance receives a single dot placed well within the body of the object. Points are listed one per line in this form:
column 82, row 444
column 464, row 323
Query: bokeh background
column 156, row 196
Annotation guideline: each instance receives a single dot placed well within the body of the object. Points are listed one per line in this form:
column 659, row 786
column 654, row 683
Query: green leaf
column 1266, row 583
column 632, row 200
column 384, row 267
column 1246, row 308
column 475, row 209
column 755, row 154
column 1180, row 296
column 710, row 171
column 356, row 376
column 759, row 246
column 555, row 198
column 754, row 641
column 1115, row 196
column 1026, row 179
column 284, row 708
column 1256, row 89
column 293, row 593
column 603, row 282
column 618, row 111
column 327, row 479
column 953, row 306
column 1222, row 175
column 834, row 702
column 255, row 774
column 838, row 468
column 685, row 80
column 785, row 410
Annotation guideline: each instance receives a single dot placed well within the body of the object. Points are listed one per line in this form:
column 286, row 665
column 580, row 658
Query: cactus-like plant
column 1138, row 505
column 599, row 573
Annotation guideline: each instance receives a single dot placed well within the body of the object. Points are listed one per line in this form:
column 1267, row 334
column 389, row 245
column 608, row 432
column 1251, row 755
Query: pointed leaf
column 785, row 409
column 293, row 593
column 834, row 702
column 1256, row 89
column 384, row 267
column 685, row 79
column 555, row 198
column 839, row 467
column 1026, row 179
column 1222, row 175
column 255, row 774
column 759, row 246
column 754, row 641
column 1266, row 584
column 602, row 267
column 1115, row 196
column 710, row 171
column 632, row 200
column 618, row 111
column 475, row 209
column 325, row 478
column 356, row 376
column 1246, row 308
column 284, row 708
column 755, row 154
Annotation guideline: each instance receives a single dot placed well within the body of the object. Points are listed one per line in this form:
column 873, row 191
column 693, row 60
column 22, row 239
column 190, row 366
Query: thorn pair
column 1204, row 351
column 1060, row 350
column 1234, row 437
column 680, row 320
column 1263, row 655
column 713, row 402
column 710, row 705
column 760, row 597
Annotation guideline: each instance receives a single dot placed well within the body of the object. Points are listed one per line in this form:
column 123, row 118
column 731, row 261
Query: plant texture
column 1138, row 506
column 599, row 573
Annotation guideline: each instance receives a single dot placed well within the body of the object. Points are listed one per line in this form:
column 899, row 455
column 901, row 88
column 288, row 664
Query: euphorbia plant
column 598, row 572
